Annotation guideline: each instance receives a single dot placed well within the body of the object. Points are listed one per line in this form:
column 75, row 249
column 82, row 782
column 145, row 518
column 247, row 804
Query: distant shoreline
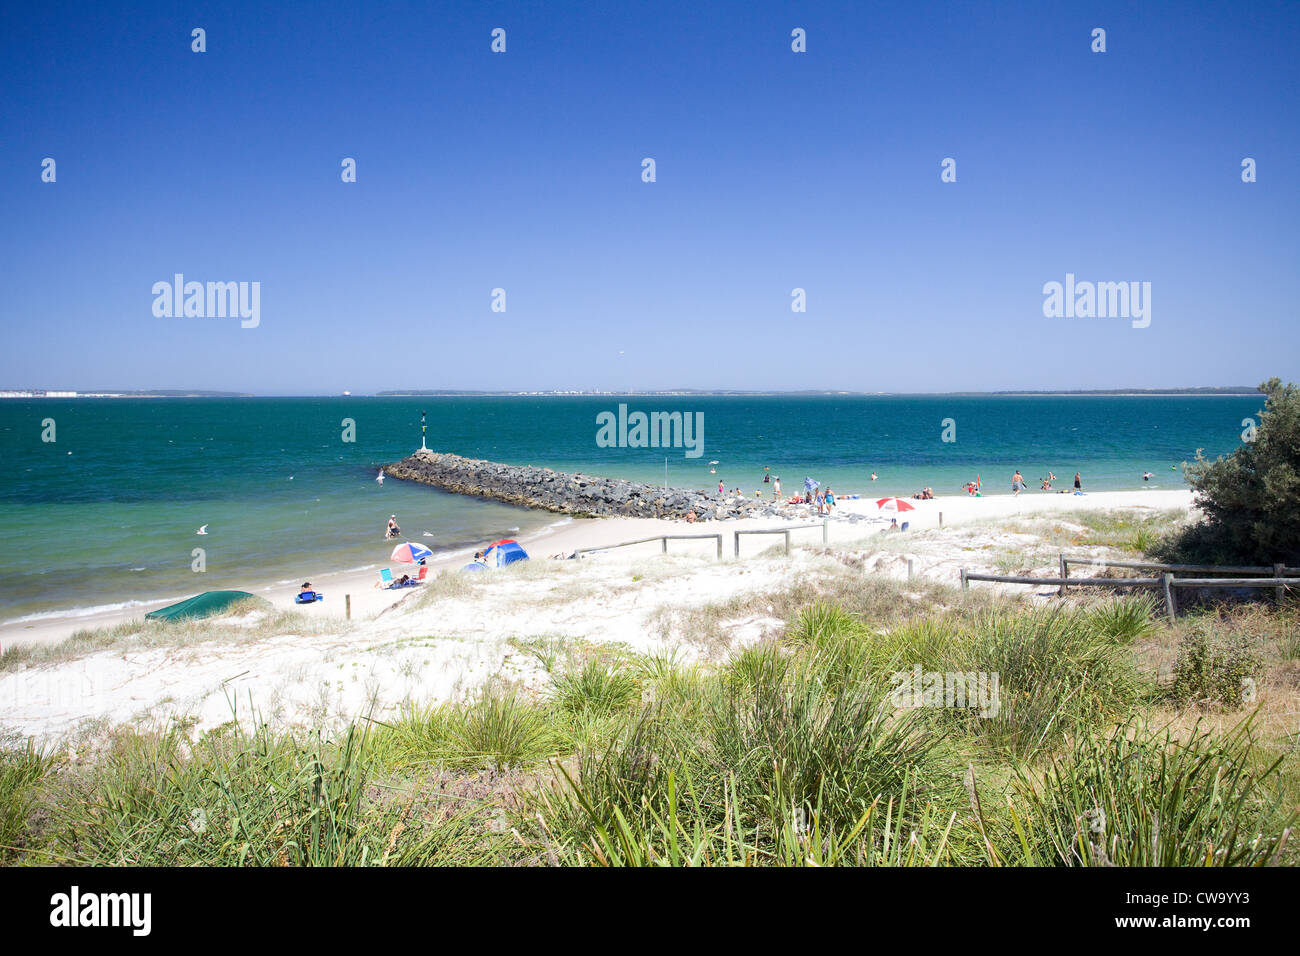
column 35, row 394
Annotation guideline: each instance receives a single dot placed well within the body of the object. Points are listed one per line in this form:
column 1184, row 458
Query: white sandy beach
column 567, row 536
column 395, row 652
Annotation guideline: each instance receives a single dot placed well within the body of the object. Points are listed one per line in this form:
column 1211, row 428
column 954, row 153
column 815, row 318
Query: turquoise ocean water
column 106, row 513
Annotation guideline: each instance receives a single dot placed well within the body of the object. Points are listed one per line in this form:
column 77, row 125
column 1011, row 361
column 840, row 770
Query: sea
column 101, row 498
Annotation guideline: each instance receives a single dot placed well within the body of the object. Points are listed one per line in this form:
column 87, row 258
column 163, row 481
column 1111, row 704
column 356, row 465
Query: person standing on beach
column 776, row 489
column 1078, row 484
column 720, row 491
column 830, row 502
column 1017, row 482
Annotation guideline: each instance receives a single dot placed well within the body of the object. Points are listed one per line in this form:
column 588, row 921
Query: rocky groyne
column 572, row 494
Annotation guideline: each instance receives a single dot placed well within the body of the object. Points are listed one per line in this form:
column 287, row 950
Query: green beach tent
column 202, row 605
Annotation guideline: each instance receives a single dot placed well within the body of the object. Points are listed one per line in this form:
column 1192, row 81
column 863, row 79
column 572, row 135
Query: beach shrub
column 1215, row 665
column 1132, row 797
column 1250, row 498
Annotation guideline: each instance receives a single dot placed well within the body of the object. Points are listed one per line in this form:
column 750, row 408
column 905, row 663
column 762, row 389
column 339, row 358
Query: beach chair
column 386, row 577
column 419, row 578
column 905, row 525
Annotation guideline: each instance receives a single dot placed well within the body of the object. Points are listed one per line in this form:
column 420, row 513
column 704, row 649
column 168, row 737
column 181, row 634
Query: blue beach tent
column 501, row 553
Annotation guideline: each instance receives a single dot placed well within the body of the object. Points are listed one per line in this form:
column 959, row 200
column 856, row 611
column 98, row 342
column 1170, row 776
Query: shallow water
column 107, row 512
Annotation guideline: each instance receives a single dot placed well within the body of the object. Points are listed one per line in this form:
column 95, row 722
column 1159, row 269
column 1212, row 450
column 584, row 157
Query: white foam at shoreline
column 85, row 611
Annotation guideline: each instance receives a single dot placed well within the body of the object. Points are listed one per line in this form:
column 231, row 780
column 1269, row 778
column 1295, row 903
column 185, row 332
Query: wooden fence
column 824, row 524
column 662, row 538
column 1280, row 580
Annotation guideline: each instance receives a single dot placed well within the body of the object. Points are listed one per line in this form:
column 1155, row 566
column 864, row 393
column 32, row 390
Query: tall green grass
column 21, row 769
column 794, row 752
column 241, row 797
column 1137, row 798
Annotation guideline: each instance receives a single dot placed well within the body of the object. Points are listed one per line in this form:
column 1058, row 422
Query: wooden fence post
column 347, row 606
column 826, row 532
column 787, row 542
column 664, row 542
column 1169, row 596
column 965, row 585
column 909, row 569
column 940, row 519
column 737, row 534
column 1279, row 593
column 719, row 547
column 1064, row 575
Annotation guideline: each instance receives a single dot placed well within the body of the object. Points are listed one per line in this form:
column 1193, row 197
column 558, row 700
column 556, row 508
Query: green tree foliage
column 1250, row 498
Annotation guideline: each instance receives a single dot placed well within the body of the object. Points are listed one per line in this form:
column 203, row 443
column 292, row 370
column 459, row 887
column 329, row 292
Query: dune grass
column 243, row 622
column 795, row 750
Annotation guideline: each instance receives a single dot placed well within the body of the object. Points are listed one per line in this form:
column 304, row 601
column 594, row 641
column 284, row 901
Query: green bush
column 1215, row 666
column 1250, row 498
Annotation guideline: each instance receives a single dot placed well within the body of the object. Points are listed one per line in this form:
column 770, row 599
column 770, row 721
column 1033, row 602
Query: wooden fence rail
column 824, row 524
column 1166, row 581
column 662, row 538
column 1277, row 570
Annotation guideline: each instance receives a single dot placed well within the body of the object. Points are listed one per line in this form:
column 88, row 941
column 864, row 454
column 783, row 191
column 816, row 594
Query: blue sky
column 775, row 170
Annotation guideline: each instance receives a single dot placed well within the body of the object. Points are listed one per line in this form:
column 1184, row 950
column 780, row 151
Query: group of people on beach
column 1018, row 483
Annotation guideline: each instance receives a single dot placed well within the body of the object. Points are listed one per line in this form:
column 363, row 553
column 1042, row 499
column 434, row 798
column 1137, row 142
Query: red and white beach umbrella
column 894, row 504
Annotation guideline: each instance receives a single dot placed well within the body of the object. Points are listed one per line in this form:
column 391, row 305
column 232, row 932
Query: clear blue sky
column 523, row 171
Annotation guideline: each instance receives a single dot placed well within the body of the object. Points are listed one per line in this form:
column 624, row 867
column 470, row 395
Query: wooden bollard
column 1169, row 596
column 347, row 606
column 1061, row 592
